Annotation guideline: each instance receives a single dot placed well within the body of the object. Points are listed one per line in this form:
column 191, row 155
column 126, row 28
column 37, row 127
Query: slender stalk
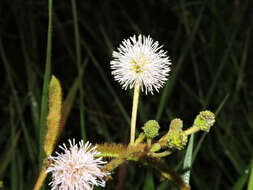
column 40, row 179
column 161, row 154
column 134, row 112
column 149, row 141
column 140, row 139
column 191, row 130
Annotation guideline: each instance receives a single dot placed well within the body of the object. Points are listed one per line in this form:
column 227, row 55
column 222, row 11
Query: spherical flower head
column 205, row 120
column 177, row 139
column 151, row 128
column 76, row 168
column 140, row 60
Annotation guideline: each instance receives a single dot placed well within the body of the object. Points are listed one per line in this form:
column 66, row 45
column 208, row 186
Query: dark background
column 209, row 44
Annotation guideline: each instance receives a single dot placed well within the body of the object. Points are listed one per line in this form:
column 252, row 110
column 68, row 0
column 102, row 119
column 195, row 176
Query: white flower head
column 140, row 60
column 76, row 168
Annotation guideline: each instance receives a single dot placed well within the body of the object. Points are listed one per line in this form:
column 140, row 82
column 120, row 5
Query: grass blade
column 17, row 101
column 44, row 106
column 188, row 161
column 250, row 184
column 79, row 67
column 149, row 181
column 171, row 83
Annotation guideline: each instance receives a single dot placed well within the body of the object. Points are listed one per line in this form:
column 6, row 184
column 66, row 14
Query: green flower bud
column 205, row 120
column 177, row 139
column 151, row 128
column 176, row 124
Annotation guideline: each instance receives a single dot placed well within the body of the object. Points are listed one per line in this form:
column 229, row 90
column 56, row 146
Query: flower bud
column 205, row 120
column 151, row 128
column 177, row 139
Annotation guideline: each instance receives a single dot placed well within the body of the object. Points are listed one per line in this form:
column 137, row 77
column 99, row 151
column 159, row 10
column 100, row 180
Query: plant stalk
column 40, row 179
column 134, row 112
column 192, row 130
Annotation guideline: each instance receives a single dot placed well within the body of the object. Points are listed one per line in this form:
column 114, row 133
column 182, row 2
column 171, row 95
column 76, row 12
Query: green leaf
column 149, row 181
column 240, row 183
column 250, row 184
column 54, row 115
column 188, row 161
column 43, row 112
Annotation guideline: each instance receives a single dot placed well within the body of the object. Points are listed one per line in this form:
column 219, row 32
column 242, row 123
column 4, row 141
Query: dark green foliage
column 209, row 43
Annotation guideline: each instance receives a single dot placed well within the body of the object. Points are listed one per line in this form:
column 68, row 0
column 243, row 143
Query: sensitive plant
column 139, row 63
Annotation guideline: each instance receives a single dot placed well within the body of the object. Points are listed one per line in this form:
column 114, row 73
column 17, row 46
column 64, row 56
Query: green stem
column 192, row 130
column 149, row 141
column 155, row 147
column 134, row 112
column 140, row 139
column 161, row 154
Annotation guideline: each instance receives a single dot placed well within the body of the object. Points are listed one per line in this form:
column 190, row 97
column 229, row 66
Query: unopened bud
column 177, row 139
column 205, row 120
column 151, row 128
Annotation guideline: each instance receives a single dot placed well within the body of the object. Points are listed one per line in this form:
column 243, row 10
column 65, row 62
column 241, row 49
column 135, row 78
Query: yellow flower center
column 139, row 63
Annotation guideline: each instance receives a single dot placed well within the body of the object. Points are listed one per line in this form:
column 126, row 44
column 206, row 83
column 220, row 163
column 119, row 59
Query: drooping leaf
column 54, row 115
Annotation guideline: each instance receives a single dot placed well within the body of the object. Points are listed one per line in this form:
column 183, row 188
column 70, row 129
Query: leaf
column 250, row 184
column 188, row 161
column 166, row 173
column 54, row 115
column 240, row 183
column 6, row 155
column 149, row 182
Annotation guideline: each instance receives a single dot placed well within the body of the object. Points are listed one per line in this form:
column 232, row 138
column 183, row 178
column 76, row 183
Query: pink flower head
column 76, row 168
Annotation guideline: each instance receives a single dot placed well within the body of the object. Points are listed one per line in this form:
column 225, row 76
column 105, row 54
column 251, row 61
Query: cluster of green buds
column 176, row 137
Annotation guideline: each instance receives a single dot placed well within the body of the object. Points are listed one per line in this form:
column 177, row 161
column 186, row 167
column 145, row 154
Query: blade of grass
column 163, row 186
column 17, row 101
column 241, row 71
column 31, row 76
column 192, row 93
column 106, row 81
column 240, row 183
column 175, row 71
column 79, row 67
column 64, row 37
column 230, row 43
column 14, row 177
column 7, row 155
column 198, row 146
column 68, row 102
column 149, row 181
column 250, row 184
column 188, row 161
column 242, row 180
column 44, row 103
column 21, row 174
